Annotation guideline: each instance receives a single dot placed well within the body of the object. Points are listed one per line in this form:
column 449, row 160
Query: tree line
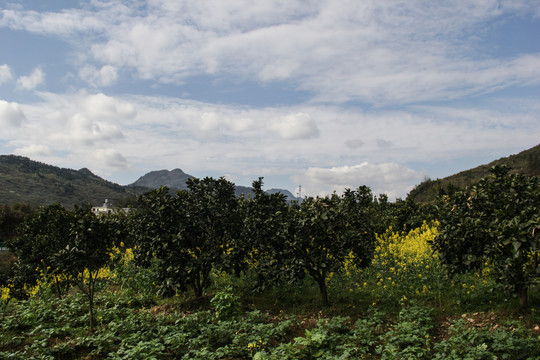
column 207, row 228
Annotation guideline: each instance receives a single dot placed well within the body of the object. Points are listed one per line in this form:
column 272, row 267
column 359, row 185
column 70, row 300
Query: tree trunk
column 197, row 285
column 523, row 297
column 58, row 290
column 322, row 289
column 91, row 288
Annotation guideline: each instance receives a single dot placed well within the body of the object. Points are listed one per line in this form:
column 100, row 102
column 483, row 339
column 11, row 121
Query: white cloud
column 66, row 23
column 296, row 126
column 392, row 179
column 101, row 106
column 211, row 139
column 5, row 74
column 110, row 158
column 84, row 131
column 30, row 82
column 379, row 52
column 394, row 57
column 34, row 151
column 11, row 114
column 106, row 76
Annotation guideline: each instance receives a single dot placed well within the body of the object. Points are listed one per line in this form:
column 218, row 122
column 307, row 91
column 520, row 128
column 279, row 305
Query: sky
column 326, row 94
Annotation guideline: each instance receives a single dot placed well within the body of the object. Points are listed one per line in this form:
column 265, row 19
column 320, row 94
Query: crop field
column 206, row 275
column 402, row 306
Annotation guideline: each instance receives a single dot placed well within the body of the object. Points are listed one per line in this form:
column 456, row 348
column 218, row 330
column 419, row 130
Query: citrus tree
column 72, row 244
column 41, row 236
column 86, row 257
column 326, row 232
column 189, row 233
column 264, row 236
column 212, row 233
column 157, row 229
column 496, row 223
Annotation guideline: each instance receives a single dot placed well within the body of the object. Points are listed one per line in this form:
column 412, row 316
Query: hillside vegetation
column 526, row 162
column 26, row 181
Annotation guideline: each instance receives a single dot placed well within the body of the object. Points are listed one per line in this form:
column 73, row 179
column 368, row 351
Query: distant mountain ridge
column 176, row 180
column 23, row 180
column 526, row 162
column 27, row 181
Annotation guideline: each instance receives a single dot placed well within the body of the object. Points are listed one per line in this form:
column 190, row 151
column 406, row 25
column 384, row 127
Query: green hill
column 26, row 181
column 526, row 162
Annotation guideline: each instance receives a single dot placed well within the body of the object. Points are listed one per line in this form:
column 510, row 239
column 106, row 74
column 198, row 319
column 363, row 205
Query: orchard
column 203, row 274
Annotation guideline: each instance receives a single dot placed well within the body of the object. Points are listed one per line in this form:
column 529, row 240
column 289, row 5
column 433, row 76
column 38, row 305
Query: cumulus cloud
column 296, row 126
column 101, row 106
column 5, row 74
column 339, row 51
column 34, row 150
column 11, row 114
column 30, row 82
column 392, row 179
column 86, row 131
column 111, row 158
column 392, row 57
column 67, row 23
column 106, row 76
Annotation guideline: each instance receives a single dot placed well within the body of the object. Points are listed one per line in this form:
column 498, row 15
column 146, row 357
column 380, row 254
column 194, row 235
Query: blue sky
column 327, row 94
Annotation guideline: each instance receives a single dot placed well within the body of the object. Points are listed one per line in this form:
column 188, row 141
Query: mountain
column 26, row 181
column 174, row 179
column 526, row 162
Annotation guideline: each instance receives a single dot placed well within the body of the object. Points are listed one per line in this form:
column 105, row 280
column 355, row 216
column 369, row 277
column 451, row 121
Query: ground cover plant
column 269, row 285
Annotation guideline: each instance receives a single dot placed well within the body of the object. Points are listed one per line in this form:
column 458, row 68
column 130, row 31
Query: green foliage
column 410, row 338
column 38, row 184
column 526, row 162
column 265, row 230
column 42, row 237
column 328, row 231
column 467, row 342
column 10, row 218
column 72, row 245
column 189, row 234
column 225, row 304
column 133, row 328
column 496, row 224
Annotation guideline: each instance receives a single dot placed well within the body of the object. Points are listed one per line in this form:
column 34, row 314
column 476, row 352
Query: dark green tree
column 11, row 216
column 41, row 237
column 328, row 231
column 190, row 234
column 86, row 254
column 213, row 232
column 495, row 222
column 157, row 228
column 264, row 236
column 73, row 243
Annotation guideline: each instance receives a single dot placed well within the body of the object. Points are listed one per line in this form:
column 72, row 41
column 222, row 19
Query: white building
column 107, row 208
